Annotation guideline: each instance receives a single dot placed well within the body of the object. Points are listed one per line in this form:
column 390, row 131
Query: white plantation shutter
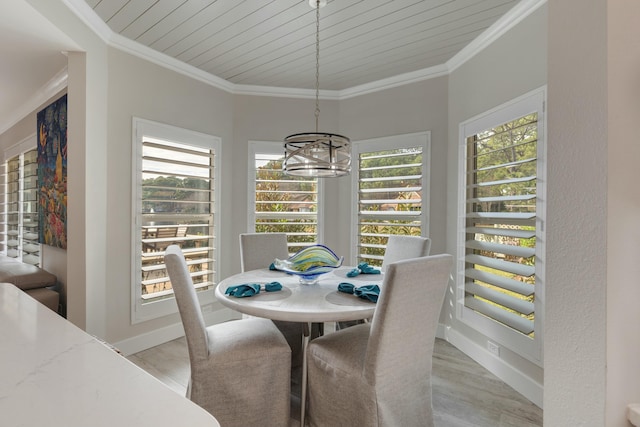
column 500, row 239
column 29, row 208
column 175, row 204
column 281, row 203
column 501, row 202
column 177, row 208
column 19, row 224
column 12, row 211
column 391, row 183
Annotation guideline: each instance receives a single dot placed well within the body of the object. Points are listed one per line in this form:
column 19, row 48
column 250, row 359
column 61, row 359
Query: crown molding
column 506, row 22
column 284, row 92
column 395, row 81
column 57, row 83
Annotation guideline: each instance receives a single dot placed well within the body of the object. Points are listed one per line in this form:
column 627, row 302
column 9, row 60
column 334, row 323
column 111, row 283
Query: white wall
column 592, row 341
column 593, row 346
column 513, row 65
column 575, row 356
column 623, row 207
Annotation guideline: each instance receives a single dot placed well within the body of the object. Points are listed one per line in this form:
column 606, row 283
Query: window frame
column 528, row 348
column 394, row 142
column 274, row 148
column 142, row 128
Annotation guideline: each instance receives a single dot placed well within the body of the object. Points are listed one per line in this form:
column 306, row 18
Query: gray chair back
column 405, row 247
column 188, row 305
column 404, row 325
column 258, row 250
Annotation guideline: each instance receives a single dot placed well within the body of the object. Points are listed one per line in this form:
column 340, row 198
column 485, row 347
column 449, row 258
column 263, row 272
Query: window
column 175, row 187
column 279, row 203
column 19, row 232
column 391, row 179
column 501, row 210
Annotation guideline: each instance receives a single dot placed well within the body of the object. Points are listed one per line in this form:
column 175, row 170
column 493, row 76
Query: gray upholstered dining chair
column 379, row 373
column 240, row 370
column 258, row 250
column 405, row 247
column 398, row 248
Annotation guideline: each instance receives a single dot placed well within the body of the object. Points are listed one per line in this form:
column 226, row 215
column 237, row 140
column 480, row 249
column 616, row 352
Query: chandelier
column 317, row 153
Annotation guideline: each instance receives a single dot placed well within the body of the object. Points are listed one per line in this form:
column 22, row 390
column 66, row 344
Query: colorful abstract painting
column 52, row 174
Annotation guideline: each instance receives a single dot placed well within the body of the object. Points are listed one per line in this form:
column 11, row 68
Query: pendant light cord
column 317, row 113
column 311, row 154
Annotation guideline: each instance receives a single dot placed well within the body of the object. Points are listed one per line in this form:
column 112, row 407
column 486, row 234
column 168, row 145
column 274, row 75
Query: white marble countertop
column 54, row 374
column 320, row 302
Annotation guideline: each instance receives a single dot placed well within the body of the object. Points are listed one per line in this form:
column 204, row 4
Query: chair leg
column 303, row 390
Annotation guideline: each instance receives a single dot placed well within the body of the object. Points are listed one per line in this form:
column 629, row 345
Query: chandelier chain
column 317, row 112
column 317, row 154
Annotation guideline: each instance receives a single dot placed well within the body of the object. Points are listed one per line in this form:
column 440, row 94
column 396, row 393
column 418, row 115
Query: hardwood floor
column 464, row 393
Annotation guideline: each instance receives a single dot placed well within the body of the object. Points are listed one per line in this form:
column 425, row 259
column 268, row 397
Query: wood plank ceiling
column 272, row 43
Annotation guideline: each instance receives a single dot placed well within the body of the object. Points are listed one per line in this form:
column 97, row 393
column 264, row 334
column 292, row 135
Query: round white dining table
column 296, row 302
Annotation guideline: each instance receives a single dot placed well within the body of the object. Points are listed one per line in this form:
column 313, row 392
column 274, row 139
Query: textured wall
column 576, row 215
column 623, row 212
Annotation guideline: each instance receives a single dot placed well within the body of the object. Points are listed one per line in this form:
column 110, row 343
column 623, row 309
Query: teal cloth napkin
column 368, row 292
column 363, row 268
column 353, row 273
column 272, row 287
column 250, row 289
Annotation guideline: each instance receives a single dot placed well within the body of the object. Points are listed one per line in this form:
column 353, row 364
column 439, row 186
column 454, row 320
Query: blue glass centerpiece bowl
column 309, row 263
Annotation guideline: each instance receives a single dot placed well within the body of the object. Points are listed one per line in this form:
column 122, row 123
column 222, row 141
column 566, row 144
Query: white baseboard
column 159, row 336
column 516, row 379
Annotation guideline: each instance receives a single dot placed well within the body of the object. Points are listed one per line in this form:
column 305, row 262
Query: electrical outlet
column 493, row 348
